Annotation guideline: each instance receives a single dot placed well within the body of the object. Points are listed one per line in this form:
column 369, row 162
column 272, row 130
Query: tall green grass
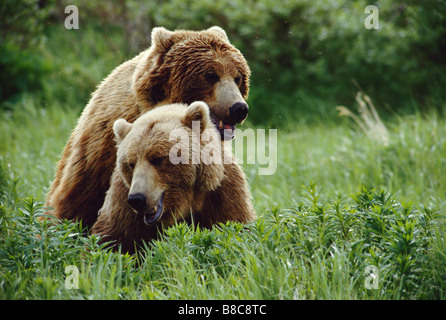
column 313, row 250
column 341, row 158
column 317, row 231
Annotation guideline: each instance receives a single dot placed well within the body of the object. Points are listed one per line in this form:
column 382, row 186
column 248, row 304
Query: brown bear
column 152, row 187
column 179, row 67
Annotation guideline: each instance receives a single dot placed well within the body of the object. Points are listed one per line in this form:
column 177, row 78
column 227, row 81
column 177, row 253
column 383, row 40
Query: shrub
column 23, row 67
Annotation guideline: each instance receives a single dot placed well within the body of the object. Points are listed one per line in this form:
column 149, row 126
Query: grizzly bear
column 179, row 67
column 149, row 192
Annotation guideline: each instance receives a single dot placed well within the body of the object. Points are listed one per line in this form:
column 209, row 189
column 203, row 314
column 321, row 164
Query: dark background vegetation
column 305, row 55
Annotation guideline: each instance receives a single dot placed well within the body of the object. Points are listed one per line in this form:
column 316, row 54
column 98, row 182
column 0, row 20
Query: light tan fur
column 205, row 193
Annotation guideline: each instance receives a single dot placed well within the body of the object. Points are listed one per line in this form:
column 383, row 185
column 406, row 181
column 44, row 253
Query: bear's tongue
column 226, row 130
column 152, row 216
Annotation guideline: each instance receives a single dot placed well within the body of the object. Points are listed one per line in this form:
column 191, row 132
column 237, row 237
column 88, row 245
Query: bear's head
column 159, row 189
column 186, row 66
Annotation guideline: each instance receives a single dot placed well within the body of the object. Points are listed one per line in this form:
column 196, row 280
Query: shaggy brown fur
column 180, row 66
column 205, row 193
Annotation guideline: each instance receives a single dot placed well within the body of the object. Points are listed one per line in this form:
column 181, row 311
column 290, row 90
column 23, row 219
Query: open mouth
column 154, row 214
column 226, row 130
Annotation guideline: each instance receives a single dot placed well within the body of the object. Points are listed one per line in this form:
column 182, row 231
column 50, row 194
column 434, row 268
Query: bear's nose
column 137, row 201
column 238, row 111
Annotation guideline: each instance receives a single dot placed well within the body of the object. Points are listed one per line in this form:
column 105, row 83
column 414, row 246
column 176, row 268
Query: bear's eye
column 131, row 165
column 238, row 80
column 157, row 161
column 212, row 77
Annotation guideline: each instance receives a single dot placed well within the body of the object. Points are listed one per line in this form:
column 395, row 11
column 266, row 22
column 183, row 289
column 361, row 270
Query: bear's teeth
column 220, row 125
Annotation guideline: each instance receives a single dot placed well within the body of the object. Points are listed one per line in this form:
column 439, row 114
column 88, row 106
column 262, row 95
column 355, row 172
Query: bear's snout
column 138, row 202
column 238, row 111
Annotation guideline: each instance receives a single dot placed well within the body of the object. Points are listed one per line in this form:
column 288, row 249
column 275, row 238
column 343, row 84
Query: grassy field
column 321, row 223
column 342, row 202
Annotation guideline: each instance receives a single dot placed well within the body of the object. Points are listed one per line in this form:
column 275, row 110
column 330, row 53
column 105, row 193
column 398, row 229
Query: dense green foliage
column 314, row 250
column 302, row 53
column 342, row 198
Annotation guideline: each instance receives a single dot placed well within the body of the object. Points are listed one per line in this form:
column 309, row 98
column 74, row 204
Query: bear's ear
column 162, row 38
column 121, row 128
column 219, row 31
column 197, row 111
